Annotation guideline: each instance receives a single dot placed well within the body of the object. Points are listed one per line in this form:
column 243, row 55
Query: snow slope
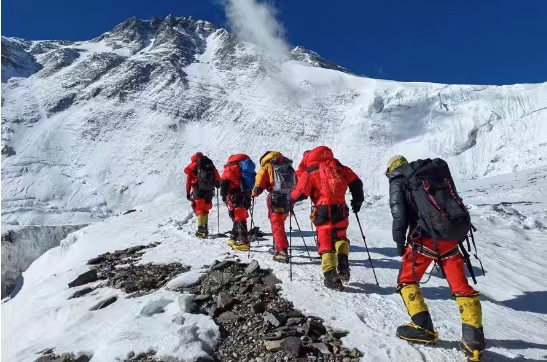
column 103, row 125
column 512, row 244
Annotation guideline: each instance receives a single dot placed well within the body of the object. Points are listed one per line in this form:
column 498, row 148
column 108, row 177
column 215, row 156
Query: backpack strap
column 312, row 168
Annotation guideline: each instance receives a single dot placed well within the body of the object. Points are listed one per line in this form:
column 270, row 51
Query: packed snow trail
column 514, row 291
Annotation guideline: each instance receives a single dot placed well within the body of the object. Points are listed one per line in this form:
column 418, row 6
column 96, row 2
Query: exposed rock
column 8, row 151
column 222, row 265
column 258, row 307
column 227, row 317
column 85, row 278
column 292, row 345
column 225, row 301
column 121, row 269
column 261, row 326
column 252, row 267
column 202, row 298
column 322, row 347
column 81, row 293
column 49, row 355
column 104, row 303
column 355, row 353
column 314, row 329
column 272, row 346
column 273, row 318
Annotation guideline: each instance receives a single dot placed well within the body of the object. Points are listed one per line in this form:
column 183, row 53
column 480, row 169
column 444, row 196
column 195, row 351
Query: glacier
column 93, row 128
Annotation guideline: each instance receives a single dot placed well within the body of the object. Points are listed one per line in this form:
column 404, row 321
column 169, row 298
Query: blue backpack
column 248, row 174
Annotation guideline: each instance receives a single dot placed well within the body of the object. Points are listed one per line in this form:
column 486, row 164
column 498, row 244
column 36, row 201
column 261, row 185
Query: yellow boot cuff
column 342, row 246
column 328, row 261
column 203, row 220
column 470, row 310
column 413, row 298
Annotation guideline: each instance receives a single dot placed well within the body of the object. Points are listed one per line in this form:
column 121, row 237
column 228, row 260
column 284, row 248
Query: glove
column 189, row 196
column 225, row 199
column 356, row 206
column 256, row 191
column 401, row 249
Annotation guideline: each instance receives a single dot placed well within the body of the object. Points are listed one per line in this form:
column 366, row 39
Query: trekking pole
column 311, row 224
column 290, row 245
column 218, row 213
column 300, row 230
column 252, row 217
column 366, row 247
column 252, row 211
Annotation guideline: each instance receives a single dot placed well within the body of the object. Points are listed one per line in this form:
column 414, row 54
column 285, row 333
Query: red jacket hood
column 318, row 155
column 196, row 156
column 192, row 166
column 238, row 157
column 303, row 166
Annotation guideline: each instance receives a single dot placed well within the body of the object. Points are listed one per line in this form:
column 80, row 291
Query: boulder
column 89, row 276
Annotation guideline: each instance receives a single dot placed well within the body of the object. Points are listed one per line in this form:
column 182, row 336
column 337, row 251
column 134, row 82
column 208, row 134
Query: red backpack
column 333, row 185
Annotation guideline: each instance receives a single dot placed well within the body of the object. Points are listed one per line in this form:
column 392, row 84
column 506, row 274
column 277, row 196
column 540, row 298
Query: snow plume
column 255, row 22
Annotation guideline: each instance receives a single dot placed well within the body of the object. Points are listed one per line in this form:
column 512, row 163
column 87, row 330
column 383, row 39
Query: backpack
column 333, row 184
column 206, row 174
column 284, row 176
column 248, row 175
column 440, row 209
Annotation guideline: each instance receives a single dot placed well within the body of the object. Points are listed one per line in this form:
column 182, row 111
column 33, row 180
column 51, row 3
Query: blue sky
column 448, row 41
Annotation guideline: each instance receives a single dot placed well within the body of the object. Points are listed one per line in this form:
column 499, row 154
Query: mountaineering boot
column 203, row 231
column 332, row 280
column 420, row 330
column 472, row 342
column 281, row 256
column 241, row 244
column 342, row 252
column 328, row 266
column 233, row 233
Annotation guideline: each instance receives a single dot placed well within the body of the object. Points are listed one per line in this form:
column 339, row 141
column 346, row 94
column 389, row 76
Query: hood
column 196, row 156
column 268, row 156
column 318, row 155
column 304, row 163
column 238, row 157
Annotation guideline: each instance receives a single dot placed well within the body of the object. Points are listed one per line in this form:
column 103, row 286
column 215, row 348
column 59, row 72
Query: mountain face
column 93, row 128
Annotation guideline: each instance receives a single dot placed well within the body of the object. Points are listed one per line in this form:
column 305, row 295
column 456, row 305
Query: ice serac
column 93, row 128
column 22, row 245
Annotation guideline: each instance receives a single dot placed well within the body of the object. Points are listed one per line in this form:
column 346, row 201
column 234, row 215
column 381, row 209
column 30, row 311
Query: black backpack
column 206, row 174
column 441, row 211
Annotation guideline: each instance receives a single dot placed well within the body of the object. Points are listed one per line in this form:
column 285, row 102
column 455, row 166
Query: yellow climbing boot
column 473, row 342
column 202, row 232
column 342, row 253
column 238, row 245
column 420, row 330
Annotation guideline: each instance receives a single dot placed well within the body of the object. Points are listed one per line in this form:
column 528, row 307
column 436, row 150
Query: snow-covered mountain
column 93, row 128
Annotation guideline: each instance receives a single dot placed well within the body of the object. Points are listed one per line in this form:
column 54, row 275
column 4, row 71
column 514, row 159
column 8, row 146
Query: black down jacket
column 405, row 217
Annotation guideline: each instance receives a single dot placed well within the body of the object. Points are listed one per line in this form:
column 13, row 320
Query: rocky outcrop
column 257, row 324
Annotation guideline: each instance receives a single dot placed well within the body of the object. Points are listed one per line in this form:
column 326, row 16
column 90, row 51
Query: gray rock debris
column 262, row 326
